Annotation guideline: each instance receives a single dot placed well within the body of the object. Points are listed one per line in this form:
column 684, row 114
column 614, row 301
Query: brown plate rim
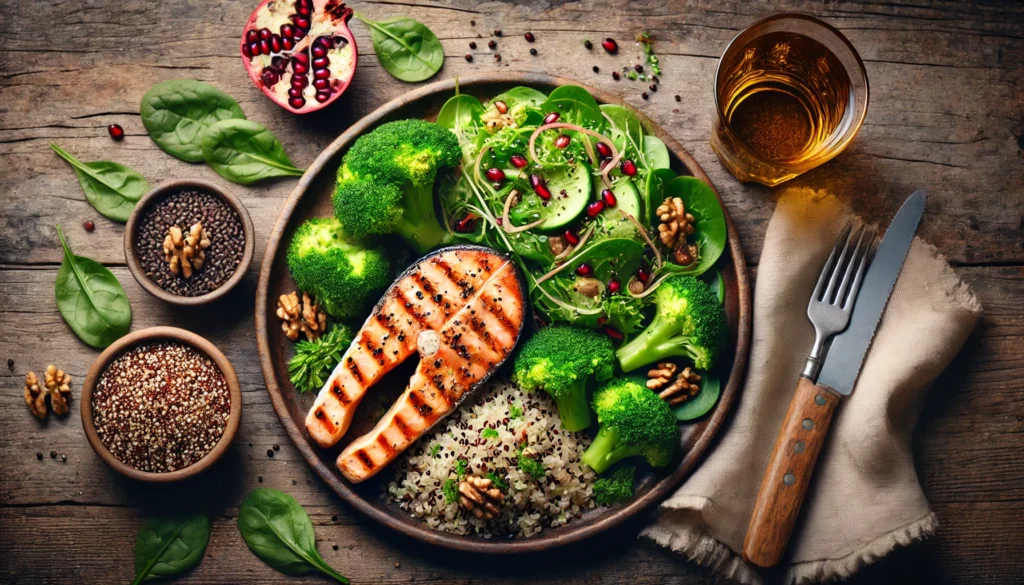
column 463, row 543
column 205, row 347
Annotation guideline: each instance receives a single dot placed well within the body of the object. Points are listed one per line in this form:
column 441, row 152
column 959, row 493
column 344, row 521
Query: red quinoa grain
column 160, row 407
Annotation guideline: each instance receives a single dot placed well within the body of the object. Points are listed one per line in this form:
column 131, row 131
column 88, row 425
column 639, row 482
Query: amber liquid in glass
column 784, row 96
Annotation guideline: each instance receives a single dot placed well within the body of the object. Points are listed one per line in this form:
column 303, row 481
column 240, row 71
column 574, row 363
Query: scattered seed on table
column 472, row 44
column 469, row 57
column 294, row 482
column 397, row 564
column 277, row 447
column 64, row 457
column 597, row 69
column 39, row 455
column 334, row 518
column 644, row 95
column 588, row 45
column 53, row 454
column 161, row 406
column 335, row 547
column 10, row 364
column 259, row 479
column 529, row 37
column 497, row 57
column 491, row 44
column 615, row 75
column 653, row 87
column 497, row 32
column 116, row 131
column 533, row 52
column 270, row 453
column 472, row 23
column 88, row 225
column 183, row 209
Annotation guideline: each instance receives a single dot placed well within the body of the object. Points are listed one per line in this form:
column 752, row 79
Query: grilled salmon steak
column 427, row 297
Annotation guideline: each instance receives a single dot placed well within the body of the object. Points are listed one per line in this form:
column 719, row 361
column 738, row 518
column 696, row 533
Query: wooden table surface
column 946, row 115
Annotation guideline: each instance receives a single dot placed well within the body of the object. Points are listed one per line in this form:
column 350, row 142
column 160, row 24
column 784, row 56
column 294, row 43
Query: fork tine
column 848, row 273
column 827, row 268
column 837, row 270
column 862, row 265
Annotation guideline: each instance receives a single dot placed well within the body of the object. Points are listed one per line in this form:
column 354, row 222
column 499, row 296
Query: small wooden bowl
column 150, row 335
column 167, row 188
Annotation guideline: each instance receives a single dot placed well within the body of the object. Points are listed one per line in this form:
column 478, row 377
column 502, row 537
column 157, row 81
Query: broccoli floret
column 688, row 322
column 529, row 465
column 386, row 182
column 345, row 278
column 634, row 421
column 616, row 487
column 563, row 360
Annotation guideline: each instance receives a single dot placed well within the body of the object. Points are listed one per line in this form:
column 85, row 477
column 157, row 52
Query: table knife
column 807, row 421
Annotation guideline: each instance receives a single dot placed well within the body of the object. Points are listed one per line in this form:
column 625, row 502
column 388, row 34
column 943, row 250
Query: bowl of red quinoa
column 210, row 221
column 161, row 404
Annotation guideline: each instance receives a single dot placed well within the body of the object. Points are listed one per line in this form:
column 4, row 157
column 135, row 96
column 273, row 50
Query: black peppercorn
column 678, row 98
column 469, row 57
column 533, row 52
column 644, row 95
column 615, row 75
column 597, row 69
column 492, row 44
column 497, row 32
column 472, row 44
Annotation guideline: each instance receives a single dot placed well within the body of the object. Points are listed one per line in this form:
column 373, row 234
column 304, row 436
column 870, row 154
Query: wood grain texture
column 946, row 115
column 789, row 472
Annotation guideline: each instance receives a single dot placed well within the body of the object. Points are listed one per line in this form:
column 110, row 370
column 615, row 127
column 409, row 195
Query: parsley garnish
column 314, row 360
column 435, row 449
column 461, row 466
column 489, row 434
column 450, row 491
column 515, row 411
column 497, row 481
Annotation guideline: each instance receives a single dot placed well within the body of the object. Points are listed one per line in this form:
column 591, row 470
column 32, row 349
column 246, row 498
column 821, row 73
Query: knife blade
column 846, row 354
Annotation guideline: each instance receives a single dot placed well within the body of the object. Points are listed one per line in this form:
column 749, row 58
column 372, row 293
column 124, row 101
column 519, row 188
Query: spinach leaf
column 711, row 231
column 169, row 546
column 655, row 153
column 278, row 531
column 573, row 92
column 461, row 114
column 244, row 152
column 406, row 48
column 521, row 95
column 654, row 190
column 176, row 113
column 626, row 132
column 90, row 299
column 112, row 188
column 614, row 257
column 704, row 401
column 713, row 278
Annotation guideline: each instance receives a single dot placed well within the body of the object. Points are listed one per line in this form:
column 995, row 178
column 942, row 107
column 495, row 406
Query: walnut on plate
column 186, row 253
column 676, row 224
column 675, row 387
column 479, row 496
column 303, row 317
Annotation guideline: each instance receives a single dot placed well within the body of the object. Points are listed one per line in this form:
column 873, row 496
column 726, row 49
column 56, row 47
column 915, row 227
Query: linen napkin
column 866, row 499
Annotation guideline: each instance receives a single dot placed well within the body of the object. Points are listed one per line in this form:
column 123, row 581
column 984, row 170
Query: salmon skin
column 458, row 359
column 424, row 297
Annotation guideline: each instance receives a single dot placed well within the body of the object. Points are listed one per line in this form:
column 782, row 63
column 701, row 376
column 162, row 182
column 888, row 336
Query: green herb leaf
column 314, row 360
column 169, row 546
column 699, row 405
column 497, row 481
column 278, row 531
column 515, row 411
column 435, row 450
column 461, row 467
column 489, row 434
column 406, row 48
column 450, row 489
column 91, row 299
column 176, row 113
column 244, row 152
column 529, row 465
column 112, row 188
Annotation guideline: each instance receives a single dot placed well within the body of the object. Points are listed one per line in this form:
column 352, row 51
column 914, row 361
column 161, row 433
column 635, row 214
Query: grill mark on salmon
column 467, row 355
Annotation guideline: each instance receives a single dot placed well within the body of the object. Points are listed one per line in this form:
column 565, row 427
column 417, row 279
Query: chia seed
column 160, row 407
column 184, row 209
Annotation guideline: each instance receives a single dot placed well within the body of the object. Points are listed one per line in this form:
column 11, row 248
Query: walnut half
column 674, row 388
column 186, row 253
column 478, row 496
column 35, row 398
column 59, row 385
column 303, row 317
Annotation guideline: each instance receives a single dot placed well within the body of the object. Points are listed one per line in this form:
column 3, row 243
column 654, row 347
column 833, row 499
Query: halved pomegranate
column 300, row 52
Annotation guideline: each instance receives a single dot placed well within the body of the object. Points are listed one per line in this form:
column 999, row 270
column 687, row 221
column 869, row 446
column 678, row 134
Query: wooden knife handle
column 789, row 473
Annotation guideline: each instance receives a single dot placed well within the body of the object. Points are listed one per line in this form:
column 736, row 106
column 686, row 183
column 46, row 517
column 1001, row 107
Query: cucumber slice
column 570, row 192
column 627, row 199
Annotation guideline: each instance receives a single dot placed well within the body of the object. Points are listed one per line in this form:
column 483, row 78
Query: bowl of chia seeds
column 188, row 242
column 161, row 404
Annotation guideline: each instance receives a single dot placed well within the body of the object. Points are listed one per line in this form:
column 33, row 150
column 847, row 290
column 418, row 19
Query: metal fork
column 832, row 300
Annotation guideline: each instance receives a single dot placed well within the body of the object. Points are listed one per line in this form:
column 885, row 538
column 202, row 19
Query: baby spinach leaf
column 461, row 114
column 244, row 152
column 699, row 405
column 713, row 278
column 626, row 132
column 90, row 299
column 176, row 113
column 655, row 153
column 573, row 92
column 654, row 190
column 406, row 48
column 278, row 531
column 711, row 231
column 112, row 188
column 169, row 546
column 521, row 95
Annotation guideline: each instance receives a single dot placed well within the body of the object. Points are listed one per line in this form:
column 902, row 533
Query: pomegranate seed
column 501, row 106
column 275, row 43
column 613, row 333
column 615, row 75
column 601, row 320
column 614, row 286
column 551, row 118
column 326, row 42
column 604, row 162
column 265, row 34
column 321, row 73
column 571, row 237
column 265, row 47
column 584, row 270
column 300, row 68
column 252, row 36
column 303, row 10
column 495, row 174
column 562, row 141
column 278, row 64
column 254, row 48
column 321, row 84
column 297, row 102
column 469, row 57
column 628, row 168
column 653, row 87
column 604, row 150
column 300, row 81
column 492, row 45
column 269, row 77
column 295, row 92
column 644, row 95
column 319, row 51
column 518, row 161
column 321, row 63
column 287, row 43
column 537, row 182
column 247, row 51
column 643, row 275
column 323, row 96
column 89, row 225
column 287, row 31
column 301, row 58
column 301, row 23
column 608, row 197
column 116, row 131
column 300, row 33
column 529, row 37
column 610, row 45
column 595, row 208
column 638, row 68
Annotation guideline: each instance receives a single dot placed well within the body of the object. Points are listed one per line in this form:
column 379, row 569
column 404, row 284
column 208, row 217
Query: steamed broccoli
column 634, row 421
column 563, row 360
column 386, row 183
column 688, row 322
column 345, row 278
column 615, row 487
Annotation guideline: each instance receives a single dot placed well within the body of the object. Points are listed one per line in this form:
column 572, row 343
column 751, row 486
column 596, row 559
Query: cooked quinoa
column 523, row 421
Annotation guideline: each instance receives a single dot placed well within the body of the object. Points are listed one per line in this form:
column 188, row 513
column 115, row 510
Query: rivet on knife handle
column 789, row 473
